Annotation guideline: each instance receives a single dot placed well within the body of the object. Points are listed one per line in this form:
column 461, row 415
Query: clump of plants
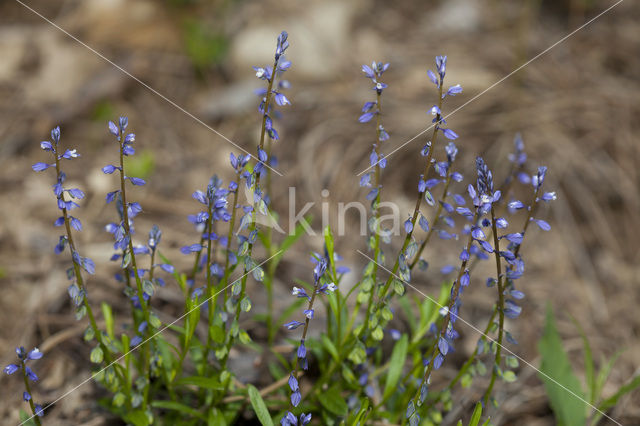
column 359, row 365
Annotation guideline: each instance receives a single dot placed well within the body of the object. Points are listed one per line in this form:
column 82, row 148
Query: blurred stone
column 455, row 15
column 229, row 101
column 319, row 40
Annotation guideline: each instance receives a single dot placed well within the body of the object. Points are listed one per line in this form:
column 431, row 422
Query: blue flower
column 11, row 368
column 292, row 325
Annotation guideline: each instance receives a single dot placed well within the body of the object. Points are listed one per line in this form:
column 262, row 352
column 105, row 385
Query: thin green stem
column 210, row 289
column 447, row 318
column 416, row 211
column 499, row 308
column 80, row 281
column 232, row 224
column 252, row 227
column 134, row 267
column 271, row 265
column 376, row 210
column 35, row 417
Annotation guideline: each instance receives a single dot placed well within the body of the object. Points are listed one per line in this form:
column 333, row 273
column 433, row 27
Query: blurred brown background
column 576, row 107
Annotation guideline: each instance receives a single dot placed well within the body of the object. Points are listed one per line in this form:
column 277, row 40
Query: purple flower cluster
column 267, row 73
column 445, row 208
column 65, row 201
column 122, row 231
column 370, row 110
column 216, row 211
column 438, row 80
column 29, row 375
column 320, row 286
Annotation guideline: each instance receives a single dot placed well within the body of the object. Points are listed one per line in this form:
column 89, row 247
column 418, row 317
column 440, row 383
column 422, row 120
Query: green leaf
column 119, row 399
column 258, row 273
column 509, row 376
column 96, row 355
column 603, row 375
column 216, row 418
column 126, row 260
column 148, row 287
column 398, row 287
column 200, row 382
column 217, row 334
column 396, row 363
column 244, row 337
column 358, row 354
column 477, row 414
column 613, row 400
column 333, row 401
column 466, row 380
column 359, row 419
column 259, row 406
column 89, row 334
column 108, row 319
column 154, row 321
column 138, row 418
column 511, row 361
column 177, row 406
column 559, row 380
column 377, row 333
column 245, row 304
column 328, row 242
column 589, row 366
column 330, row 347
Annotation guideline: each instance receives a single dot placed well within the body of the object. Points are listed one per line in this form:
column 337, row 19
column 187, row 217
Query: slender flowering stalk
column 427, row 151
column 282, row 84
column 515, row 248
column 77, row 290
column 27, row 375
column 238, row 164
column 506, row 307
column 319, row 286
column 124, row 234
column 483, row 197
column 253, row 180
column 370, row 110
column 216, row 201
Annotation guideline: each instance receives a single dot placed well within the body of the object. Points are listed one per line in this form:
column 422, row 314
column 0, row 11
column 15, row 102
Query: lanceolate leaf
column 562, row 386
column 259, row 406
column 398, row 357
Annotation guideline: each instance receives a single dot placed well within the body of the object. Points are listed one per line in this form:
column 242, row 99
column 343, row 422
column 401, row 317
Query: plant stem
column 134, row 267
column 232, row 223
column 210, row 289
column 499, row 307
column 272, row 263
column 447, row 318
column 416, row 211
column 80, row 281
column 376, row 210
column 35, row 417
column 252, row 227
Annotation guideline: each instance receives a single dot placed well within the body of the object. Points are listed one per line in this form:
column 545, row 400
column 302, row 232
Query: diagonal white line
column 495, row 84
column 494, row 341
column 145, row 85
column 149, row 338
